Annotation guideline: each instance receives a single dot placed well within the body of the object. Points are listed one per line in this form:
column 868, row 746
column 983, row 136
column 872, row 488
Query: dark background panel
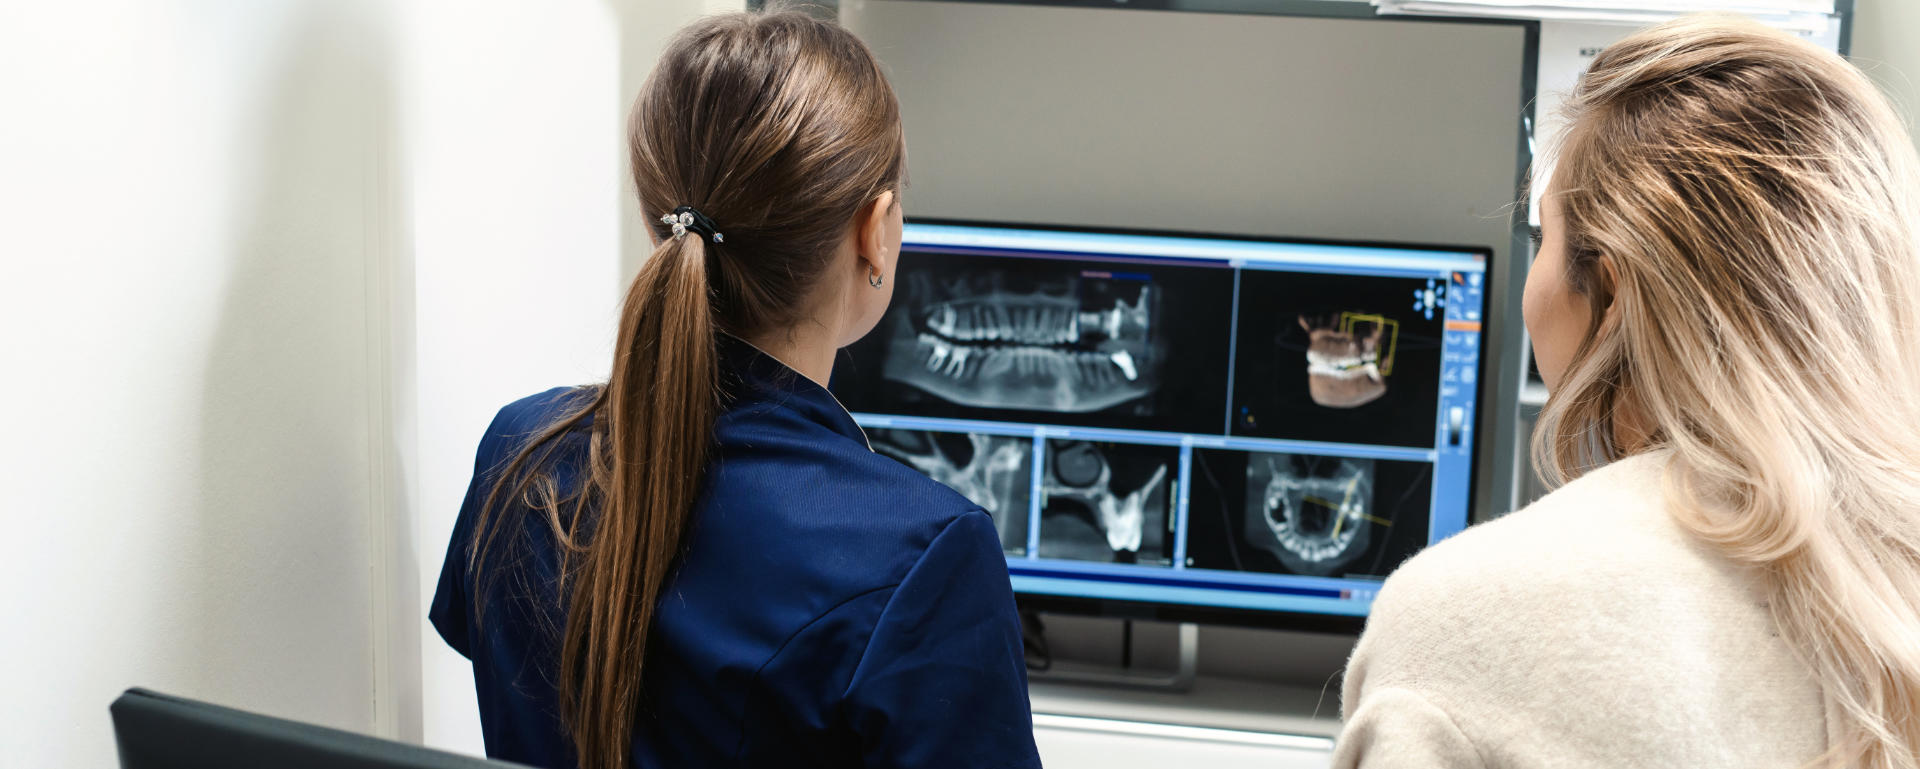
column 1217, row 510
column 1193, row 329
column 1270, row 393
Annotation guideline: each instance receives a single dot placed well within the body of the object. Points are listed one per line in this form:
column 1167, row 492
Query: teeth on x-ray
column 996, row 474
column 1044, row 350
column 1081, row 473
column 1313, row 513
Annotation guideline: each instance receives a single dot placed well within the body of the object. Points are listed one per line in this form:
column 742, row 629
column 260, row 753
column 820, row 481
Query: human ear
column 1612, row 292
column 870, row 233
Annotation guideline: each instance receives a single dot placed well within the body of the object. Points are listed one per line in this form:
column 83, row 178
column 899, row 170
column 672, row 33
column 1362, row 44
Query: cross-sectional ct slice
column 995, row 471
column 1307, row 514
column 1106, row 502
column 1072, row 344
column 1313, row 513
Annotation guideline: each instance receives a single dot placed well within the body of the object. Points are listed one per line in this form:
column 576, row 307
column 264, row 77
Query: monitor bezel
column 1158, row 611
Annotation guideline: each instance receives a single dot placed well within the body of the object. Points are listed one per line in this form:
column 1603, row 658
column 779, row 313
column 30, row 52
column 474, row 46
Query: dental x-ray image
column 1051, row 341
column 1107, row 502
column 1336, row 358
column 995, row 471
column 1303, row 514
column 1077, row 345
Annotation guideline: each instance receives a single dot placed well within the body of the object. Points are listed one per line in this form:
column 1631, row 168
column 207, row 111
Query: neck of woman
column 808, row 348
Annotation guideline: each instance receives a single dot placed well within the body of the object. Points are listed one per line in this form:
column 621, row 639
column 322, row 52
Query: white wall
column 511, row 158
column 1886, row 43
column 192, row 227
column 270, row 267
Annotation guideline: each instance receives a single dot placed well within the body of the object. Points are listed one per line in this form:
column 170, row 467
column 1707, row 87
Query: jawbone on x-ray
column 1079, row 345
column 1079, row 472
column 997, row 474
column 1313, row 513
column 1344, row 369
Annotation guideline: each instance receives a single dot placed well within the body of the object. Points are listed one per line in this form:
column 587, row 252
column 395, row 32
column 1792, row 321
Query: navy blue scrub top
column 832, row 608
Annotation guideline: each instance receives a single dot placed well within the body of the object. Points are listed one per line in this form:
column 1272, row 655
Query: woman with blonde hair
column 1726, row 308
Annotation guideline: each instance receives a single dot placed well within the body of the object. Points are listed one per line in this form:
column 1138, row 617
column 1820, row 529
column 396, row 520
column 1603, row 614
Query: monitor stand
column 1179, row 679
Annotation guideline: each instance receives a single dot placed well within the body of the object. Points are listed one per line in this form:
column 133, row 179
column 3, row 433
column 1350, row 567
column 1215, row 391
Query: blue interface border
column 1144, row 437
column 1296, row 257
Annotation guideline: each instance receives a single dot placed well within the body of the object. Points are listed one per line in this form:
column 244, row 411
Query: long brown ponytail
column 780, row 128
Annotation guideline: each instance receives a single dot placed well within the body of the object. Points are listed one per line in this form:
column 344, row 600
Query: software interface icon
column 1183, row 421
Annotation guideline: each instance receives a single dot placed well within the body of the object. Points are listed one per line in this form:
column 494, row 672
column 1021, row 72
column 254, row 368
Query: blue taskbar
column 1188, row 422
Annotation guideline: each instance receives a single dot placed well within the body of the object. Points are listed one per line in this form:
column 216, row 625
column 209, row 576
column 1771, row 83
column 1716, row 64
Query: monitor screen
column 1198, row 425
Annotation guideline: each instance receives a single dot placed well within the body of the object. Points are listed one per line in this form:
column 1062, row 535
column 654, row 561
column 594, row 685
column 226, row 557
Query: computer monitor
column 159, row 731
column 1178, row 426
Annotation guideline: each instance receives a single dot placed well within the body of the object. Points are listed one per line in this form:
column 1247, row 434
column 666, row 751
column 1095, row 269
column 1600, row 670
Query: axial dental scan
column 994, row 471
column 1058, row 341
column 1106, row 502
column 1304, row 514
column 1337, row 358
column 1316, row 520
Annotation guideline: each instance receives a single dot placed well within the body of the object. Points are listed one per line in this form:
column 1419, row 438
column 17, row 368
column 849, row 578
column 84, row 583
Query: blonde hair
column 1740, row 210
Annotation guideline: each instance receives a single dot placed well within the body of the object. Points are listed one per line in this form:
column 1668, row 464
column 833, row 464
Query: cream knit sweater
column 1587, row 630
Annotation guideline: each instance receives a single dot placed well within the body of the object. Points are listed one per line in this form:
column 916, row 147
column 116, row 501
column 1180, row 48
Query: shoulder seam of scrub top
column 856, row 423
column 859, row 664
column 782, row 648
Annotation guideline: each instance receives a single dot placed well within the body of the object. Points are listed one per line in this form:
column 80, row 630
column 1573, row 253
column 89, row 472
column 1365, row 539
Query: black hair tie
column 686, row 218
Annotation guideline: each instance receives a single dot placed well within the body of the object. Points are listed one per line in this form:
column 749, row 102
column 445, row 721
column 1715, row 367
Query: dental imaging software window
column 1188, row 422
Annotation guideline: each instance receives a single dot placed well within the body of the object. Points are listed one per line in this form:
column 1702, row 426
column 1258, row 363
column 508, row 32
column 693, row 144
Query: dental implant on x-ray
column 1079, row 472
column 1345, row 368
column 1073, row 344
column 1313, row 513
column 994, row 471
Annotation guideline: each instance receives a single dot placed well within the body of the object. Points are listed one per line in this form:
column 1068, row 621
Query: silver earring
column 875, row 279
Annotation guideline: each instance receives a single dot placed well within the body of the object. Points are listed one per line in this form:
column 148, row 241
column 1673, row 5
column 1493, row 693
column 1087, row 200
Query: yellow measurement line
column 1347, row 319
column 1339, row 519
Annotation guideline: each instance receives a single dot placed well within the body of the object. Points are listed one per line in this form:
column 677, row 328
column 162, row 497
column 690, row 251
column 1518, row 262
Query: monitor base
column 1179, row 679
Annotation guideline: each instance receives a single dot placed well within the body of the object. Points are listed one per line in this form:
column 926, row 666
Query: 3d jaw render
column 1081, row 473
column 1343, row 368
column 1314, row 523
column 976, row 342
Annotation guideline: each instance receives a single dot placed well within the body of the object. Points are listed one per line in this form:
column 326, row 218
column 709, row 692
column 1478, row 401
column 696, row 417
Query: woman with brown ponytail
column 1726, row 307
column 701, row 563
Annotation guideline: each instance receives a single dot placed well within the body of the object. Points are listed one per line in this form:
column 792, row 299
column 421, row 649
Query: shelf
column 1215, row 703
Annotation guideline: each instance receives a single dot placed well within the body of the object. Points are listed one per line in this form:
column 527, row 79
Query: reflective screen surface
column 1201, row 422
